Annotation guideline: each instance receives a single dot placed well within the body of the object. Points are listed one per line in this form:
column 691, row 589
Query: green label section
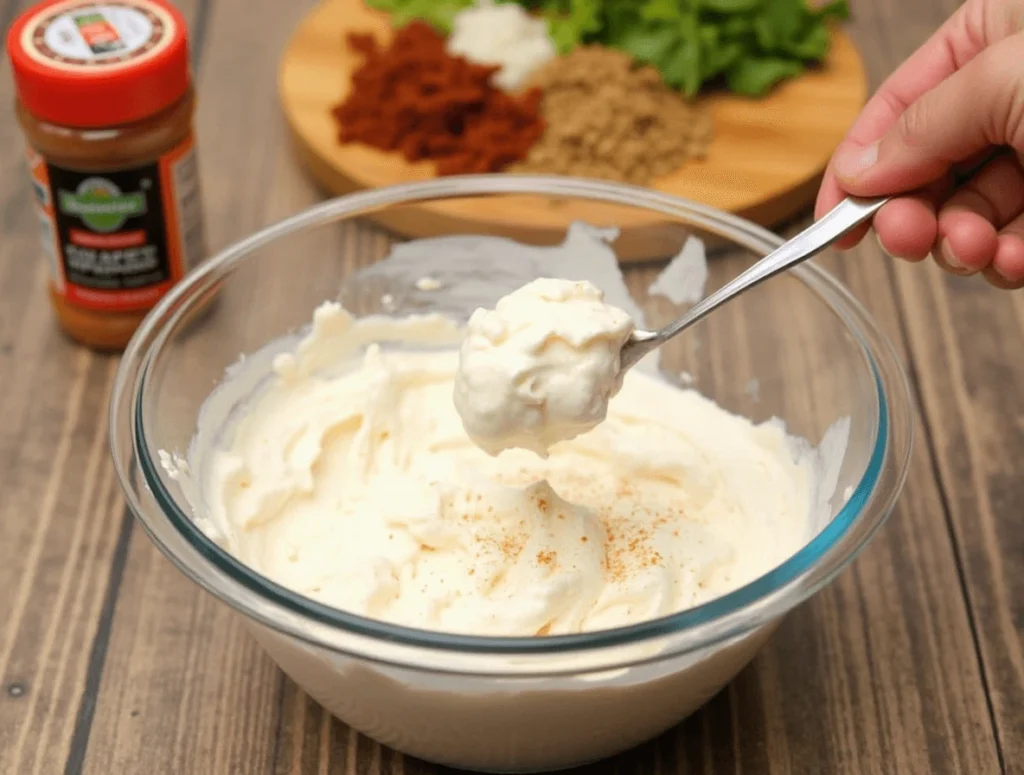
column 82, row 19
column 101, row 205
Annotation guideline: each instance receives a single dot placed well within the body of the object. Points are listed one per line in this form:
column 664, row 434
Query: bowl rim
column 731, row 615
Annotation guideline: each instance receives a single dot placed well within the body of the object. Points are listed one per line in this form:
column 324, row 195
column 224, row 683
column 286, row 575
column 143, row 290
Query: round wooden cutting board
column 764, row 163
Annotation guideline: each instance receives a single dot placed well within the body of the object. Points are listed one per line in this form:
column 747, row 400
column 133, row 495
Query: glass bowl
column 799, row 347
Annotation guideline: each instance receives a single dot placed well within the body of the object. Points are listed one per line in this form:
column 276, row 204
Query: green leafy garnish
column 756, row 76
column 749, row 45
column 437, row 13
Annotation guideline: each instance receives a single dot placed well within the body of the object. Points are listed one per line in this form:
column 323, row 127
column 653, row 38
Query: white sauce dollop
column 505, row 35
column 540, row 367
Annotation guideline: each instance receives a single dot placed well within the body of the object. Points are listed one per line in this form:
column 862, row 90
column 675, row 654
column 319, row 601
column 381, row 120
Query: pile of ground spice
column 413, row 98
column 609, row 118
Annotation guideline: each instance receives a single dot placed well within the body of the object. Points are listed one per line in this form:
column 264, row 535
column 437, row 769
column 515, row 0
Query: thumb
column 979, row 106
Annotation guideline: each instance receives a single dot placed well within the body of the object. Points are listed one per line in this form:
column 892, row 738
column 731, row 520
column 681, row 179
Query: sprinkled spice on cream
column 349, row 478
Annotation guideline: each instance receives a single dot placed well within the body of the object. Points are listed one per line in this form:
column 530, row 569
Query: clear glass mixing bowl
column 799, row 347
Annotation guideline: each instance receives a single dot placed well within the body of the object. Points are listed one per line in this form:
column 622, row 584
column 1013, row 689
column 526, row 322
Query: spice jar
column 105, row 100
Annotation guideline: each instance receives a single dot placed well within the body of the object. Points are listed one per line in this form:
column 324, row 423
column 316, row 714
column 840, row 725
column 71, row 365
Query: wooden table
column 112, row 663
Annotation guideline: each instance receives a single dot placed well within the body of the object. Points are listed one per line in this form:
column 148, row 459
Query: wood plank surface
column 974, row 403
column 966, row 340
column 112, row 662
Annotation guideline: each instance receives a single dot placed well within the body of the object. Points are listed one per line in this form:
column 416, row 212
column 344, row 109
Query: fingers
column 964, row 35
column 907, row 228
column 943, row 112
column 829, row 195
column 979, row 106
column 958, row 41
column 970, row 220
column 968, row 167
column 1007, row 267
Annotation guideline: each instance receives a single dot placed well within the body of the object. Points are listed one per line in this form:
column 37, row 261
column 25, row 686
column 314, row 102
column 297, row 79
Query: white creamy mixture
column 682, row 281
column 349, row 478
column 540, row 367
column 502, row 34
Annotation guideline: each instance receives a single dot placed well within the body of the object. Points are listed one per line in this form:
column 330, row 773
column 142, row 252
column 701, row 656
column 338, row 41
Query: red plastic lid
column 98, row 63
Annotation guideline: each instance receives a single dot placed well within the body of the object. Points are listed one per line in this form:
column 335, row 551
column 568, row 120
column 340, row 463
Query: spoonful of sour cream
column 542, row 365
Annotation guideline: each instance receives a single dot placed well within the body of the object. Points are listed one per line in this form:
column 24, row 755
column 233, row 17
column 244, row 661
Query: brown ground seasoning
column 609, row 118
column 415, row 99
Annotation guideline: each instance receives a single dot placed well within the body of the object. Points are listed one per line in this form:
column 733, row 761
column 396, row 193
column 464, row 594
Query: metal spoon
column 834, row 224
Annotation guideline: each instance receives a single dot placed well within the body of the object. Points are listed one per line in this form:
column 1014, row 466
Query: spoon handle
column 834, row 224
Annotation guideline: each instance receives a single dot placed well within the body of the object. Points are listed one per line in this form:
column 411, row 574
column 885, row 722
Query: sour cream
column 504, row 35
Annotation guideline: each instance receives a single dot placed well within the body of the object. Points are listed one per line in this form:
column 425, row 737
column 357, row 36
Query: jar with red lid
column 105, row 99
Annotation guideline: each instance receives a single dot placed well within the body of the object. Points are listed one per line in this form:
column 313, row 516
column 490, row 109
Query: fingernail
column 881, row 245
column 852, row 162
column 950, row 258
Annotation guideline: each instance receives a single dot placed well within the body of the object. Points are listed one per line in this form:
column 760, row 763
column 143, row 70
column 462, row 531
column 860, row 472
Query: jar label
column 91, row 35
column 118, row 240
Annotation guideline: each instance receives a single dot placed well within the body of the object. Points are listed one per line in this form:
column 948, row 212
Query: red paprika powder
column 414, row 98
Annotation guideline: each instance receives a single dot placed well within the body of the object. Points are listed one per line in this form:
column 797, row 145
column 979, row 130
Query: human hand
column 946, row 131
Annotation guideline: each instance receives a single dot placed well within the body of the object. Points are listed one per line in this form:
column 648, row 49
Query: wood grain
column 764, row 163
column 963, row 335
column 62, row 519
column 112, row 662
column 971, row 392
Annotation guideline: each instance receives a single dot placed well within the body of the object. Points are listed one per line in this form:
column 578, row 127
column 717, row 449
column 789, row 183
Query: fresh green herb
column 756, row 76
column 437, row 13
column 749, row 45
